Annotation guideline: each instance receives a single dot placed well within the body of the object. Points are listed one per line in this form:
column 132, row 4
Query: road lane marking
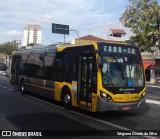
column 153, row 86
column 101, row 121
column 120, row 127
column 154, row 97
column 18, row 92
column 89, row 117
column 10, row 89
column 111, row 124
column 4, row 87
column 153, row 101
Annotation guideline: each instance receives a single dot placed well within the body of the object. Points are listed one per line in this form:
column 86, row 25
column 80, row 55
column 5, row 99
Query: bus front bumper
column 104, row 105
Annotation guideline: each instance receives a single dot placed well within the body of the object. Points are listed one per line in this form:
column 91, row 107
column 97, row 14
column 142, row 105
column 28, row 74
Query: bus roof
column 61, row 47
column 94, row 43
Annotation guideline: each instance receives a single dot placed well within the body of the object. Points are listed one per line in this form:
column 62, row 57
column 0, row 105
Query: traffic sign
column 60, row 29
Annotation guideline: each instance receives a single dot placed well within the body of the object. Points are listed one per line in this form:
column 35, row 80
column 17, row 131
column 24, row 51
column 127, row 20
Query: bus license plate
column 126, row 108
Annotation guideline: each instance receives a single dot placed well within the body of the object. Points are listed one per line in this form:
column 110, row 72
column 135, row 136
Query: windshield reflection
column 122, row 71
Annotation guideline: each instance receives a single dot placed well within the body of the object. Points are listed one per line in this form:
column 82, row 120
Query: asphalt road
column 32, row 113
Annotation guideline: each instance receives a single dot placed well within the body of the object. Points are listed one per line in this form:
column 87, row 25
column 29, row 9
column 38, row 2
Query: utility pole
column 76, row 32
column 50, row 40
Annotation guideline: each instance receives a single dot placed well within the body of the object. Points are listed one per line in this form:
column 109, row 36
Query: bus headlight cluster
column 106, row 96
column 143, row 95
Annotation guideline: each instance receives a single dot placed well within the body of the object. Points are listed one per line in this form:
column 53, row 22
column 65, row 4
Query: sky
column 92, row 17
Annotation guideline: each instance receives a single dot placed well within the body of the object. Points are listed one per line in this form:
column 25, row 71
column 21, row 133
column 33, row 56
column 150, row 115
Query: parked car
column 8, row 70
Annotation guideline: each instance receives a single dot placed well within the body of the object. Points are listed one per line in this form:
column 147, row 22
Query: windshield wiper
column 117, row 64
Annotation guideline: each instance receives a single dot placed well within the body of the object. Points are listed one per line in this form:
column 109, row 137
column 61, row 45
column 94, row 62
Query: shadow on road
column 52, row 124
column 46, row 121
column 106, row 114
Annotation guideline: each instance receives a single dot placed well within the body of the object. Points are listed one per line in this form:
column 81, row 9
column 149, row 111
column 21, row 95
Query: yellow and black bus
column 96, row 77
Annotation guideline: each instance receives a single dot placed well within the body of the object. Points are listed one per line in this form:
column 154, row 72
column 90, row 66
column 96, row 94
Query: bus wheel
column 22, row 87
column 66, row 99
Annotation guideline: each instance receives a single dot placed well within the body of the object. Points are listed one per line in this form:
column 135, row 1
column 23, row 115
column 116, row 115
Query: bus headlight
column 106, row 96
column 143, row 95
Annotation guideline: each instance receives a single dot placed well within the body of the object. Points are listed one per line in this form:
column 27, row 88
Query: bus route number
column 105, row 48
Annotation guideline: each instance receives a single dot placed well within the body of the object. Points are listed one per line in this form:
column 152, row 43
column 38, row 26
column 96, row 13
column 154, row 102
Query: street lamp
column 75, row 31
column 51, row 40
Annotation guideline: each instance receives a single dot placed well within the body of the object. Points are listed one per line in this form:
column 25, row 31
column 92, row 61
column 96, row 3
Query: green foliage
column 143, row 17
column 7, row 49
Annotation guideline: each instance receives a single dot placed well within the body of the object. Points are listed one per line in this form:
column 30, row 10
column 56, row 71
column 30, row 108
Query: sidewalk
column 153, row 85
column 2, row 72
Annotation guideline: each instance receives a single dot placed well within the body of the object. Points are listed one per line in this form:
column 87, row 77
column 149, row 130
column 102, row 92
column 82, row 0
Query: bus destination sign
column 117, row 49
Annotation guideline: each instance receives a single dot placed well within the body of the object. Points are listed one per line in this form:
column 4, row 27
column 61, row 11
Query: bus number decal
column 105, row 48
column 125, row 58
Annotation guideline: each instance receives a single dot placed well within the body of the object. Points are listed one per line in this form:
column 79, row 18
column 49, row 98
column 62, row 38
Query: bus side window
column 30, row 66
column 70, row 68
column 59, row 67
column 39, row 66
column 48, row 66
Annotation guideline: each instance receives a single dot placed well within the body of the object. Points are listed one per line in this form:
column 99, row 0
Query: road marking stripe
column 111, row 124
column 154, row 97
column 153, row 86
column 101, row 121
column 10, row 89
column 89, row 117
column 4, row 87
column 153, row 101
column 18, row 92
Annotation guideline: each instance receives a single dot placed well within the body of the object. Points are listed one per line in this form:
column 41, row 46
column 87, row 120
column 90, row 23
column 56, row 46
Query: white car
column 7, row 73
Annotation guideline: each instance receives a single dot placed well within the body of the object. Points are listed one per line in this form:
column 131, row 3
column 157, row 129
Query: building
column 116, row 35
column 151, row 64
column 86, row 39
column 32, row 34
column 151, row 61
column 15, row 43
column 91, row 38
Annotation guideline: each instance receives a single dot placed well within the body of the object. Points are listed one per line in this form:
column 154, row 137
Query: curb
column 153, row 86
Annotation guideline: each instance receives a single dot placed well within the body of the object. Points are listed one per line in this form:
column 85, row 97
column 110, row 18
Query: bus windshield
column 122, row 70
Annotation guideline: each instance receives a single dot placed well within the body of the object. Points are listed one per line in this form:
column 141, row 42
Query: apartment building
column 32, row 34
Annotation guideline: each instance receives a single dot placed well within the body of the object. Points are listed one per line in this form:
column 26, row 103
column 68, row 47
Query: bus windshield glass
column 122, row 71
column 122, row 67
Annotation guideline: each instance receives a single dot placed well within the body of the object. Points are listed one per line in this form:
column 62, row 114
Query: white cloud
column 11, row 35
column 79, row 14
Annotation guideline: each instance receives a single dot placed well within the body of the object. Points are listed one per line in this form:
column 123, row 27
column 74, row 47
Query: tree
column 7, row 49
column 143, row 17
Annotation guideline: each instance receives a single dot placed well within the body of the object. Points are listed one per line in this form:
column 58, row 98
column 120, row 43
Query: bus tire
column 66, row 98
column 22, row 87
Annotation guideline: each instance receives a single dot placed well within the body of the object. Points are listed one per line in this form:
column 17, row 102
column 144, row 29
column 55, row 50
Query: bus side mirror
column 100, row 62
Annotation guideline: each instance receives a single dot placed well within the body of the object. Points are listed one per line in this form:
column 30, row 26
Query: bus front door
column 85, row 81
